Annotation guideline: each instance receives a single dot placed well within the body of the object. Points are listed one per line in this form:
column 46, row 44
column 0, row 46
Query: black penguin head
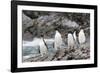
column 42, row 35
column 56, row 29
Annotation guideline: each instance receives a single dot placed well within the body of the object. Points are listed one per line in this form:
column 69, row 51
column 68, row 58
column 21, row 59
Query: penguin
column 74, row 35
column 71, row 42
column 43, row 48
column 58, row 40
column 81, row 37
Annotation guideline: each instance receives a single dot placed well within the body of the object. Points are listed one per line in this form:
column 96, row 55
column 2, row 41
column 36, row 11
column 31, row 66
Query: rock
column 26, row 21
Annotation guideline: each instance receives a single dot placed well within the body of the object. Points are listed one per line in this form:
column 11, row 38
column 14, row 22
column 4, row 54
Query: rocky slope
column 37, row 23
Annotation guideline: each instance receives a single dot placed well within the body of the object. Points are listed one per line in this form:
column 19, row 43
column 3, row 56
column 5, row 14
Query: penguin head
column 82, row 30
column 57, row 32
column 42, row 35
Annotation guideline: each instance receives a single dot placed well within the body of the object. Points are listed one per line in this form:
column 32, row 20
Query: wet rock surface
column 62, row 55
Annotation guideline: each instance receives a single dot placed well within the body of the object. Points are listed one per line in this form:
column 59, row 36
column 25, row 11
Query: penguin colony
column 72, row 39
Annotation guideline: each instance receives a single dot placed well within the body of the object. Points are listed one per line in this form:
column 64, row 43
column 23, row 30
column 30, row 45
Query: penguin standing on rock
column 43, row 47
column 71, row 42
column 75, row 35
column 58, row 40
column 81, row 37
